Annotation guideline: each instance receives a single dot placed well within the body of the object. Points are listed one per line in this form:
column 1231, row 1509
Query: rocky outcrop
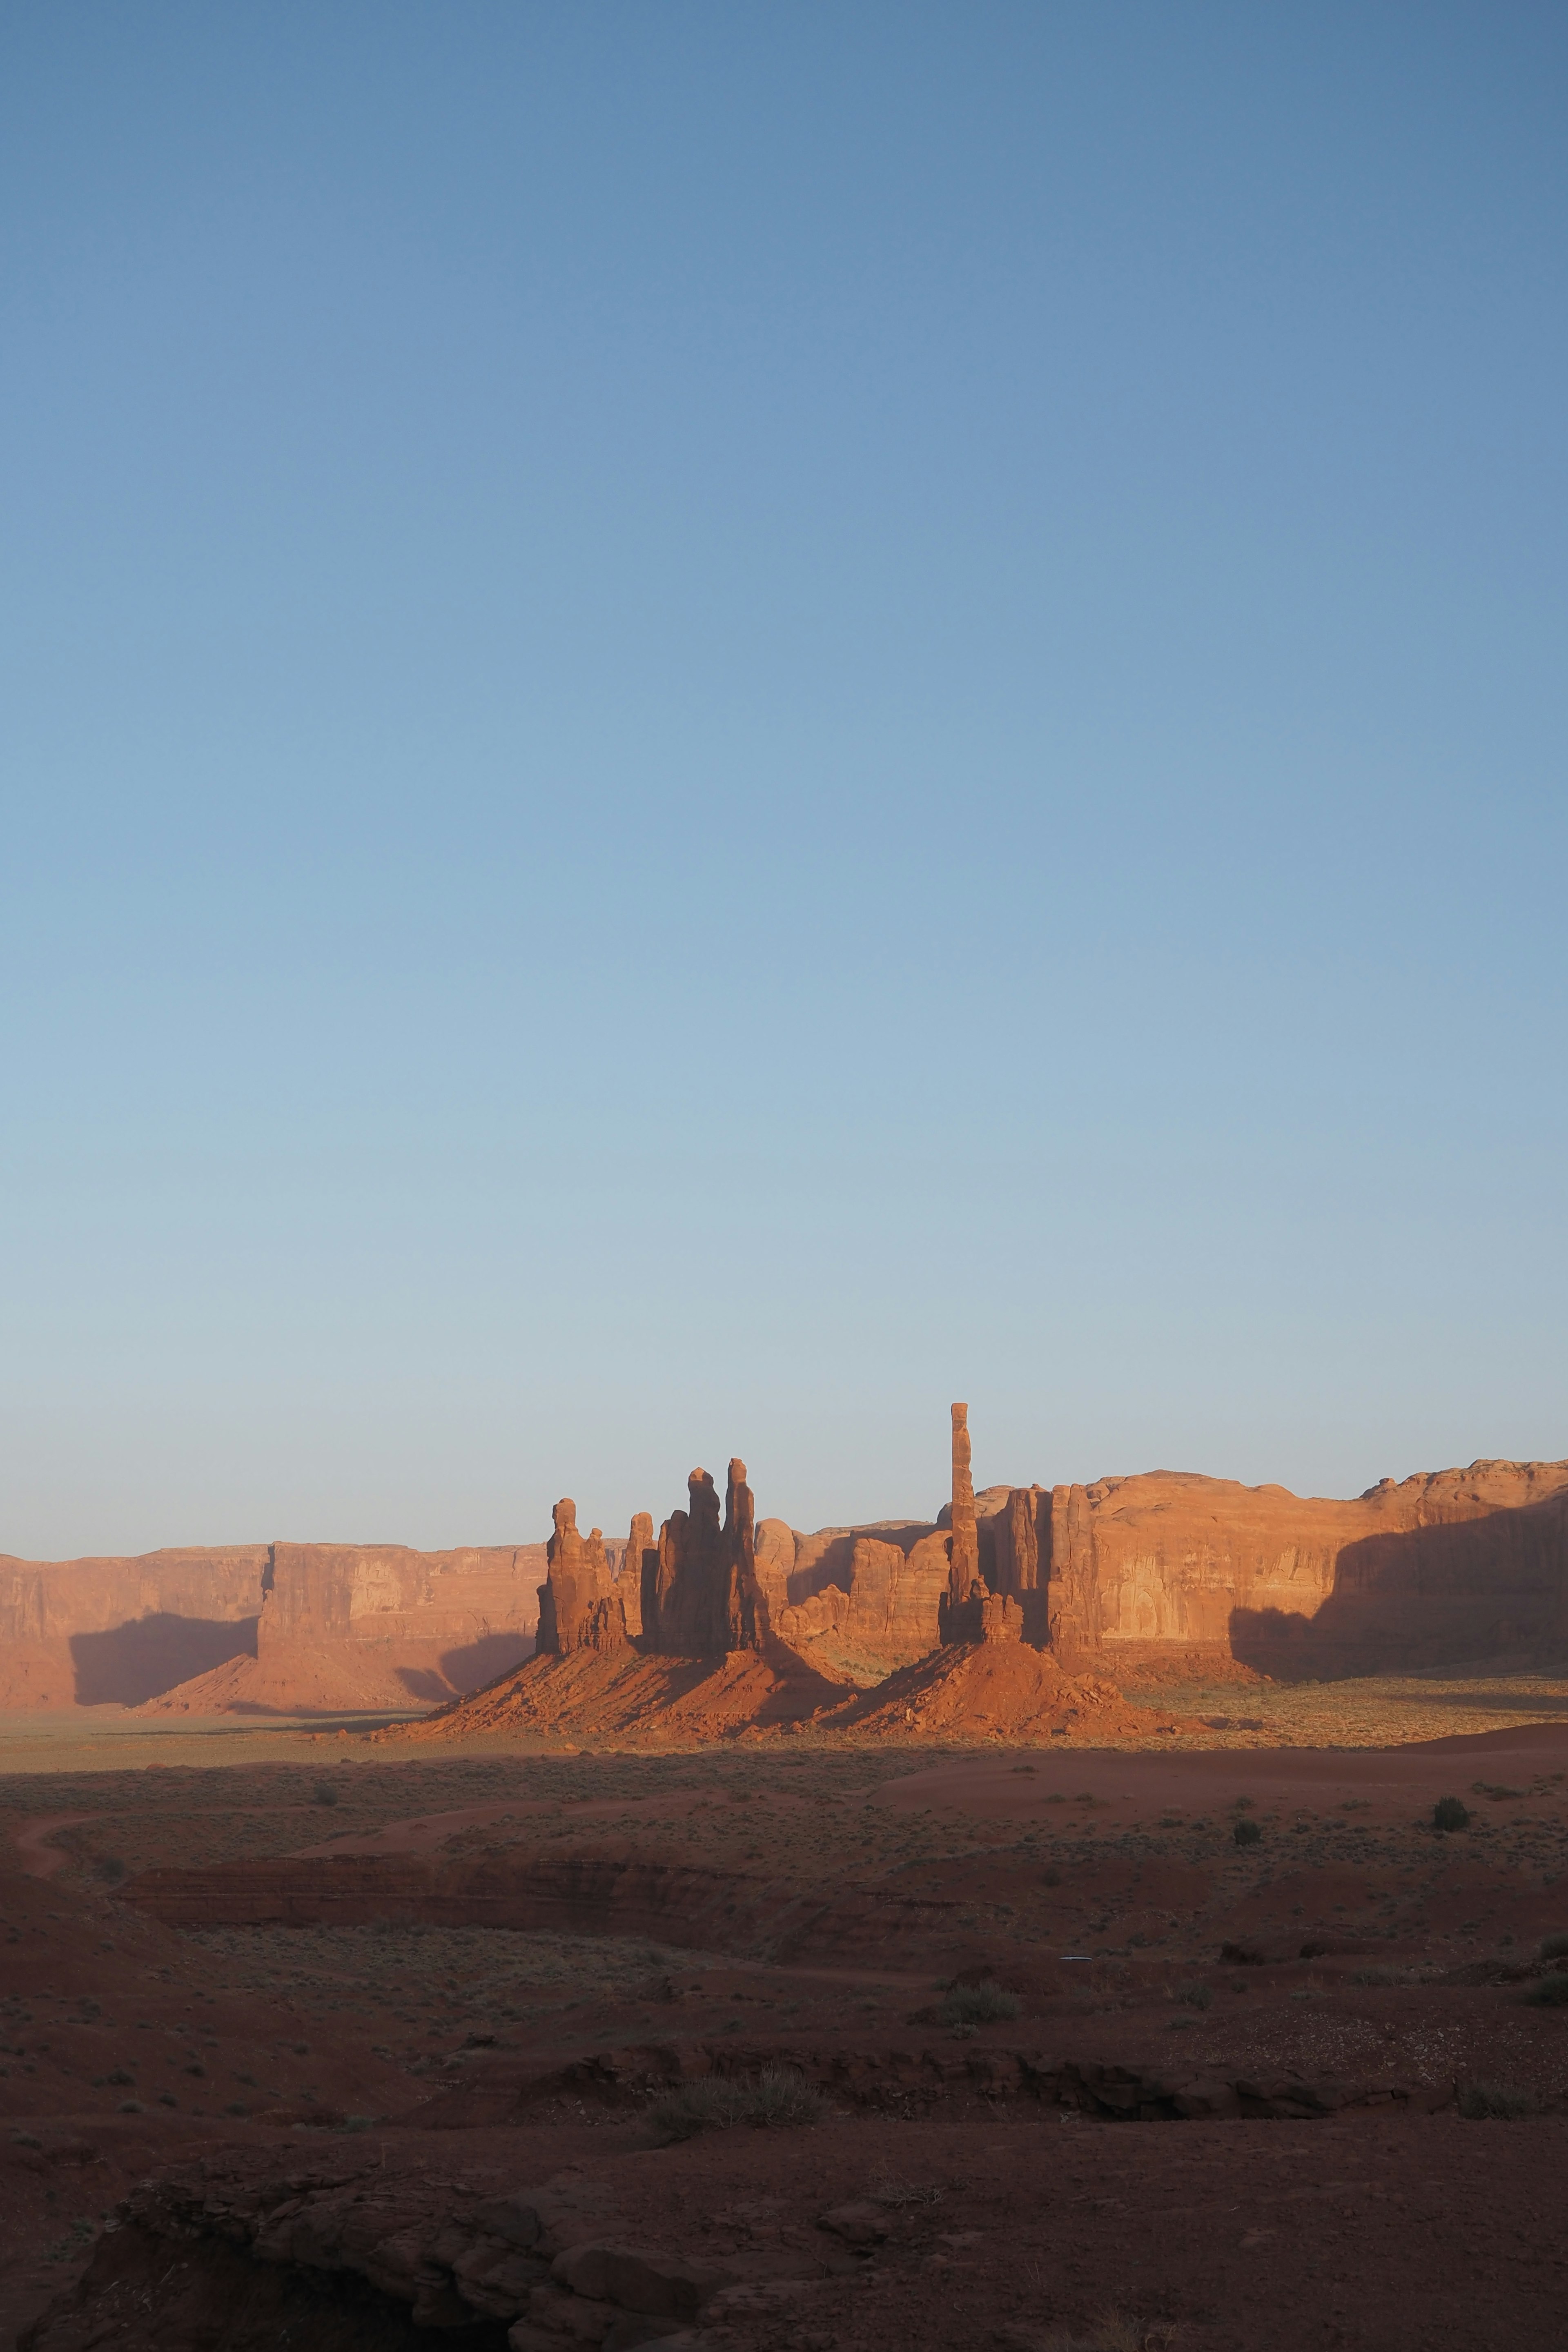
column 1447, row 1565
column 629, row 1582
column 277, row 1626
column 963, row 1570
column 887, row 1611
column 578, row 1607
column 358, row 2258
column 115, row 1631
column 699, row 1588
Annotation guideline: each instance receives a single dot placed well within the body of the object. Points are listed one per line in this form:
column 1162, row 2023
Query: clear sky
column 718, row 721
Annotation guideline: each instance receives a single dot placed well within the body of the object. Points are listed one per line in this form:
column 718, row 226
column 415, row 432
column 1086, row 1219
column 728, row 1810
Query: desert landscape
column 719, row 723
column 1119, row 1916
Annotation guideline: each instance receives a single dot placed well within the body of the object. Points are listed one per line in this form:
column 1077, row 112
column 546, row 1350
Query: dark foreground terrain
column 826, row 2048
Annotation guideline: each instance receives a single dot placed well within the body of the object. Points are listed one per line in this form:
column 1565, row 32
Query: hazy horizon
column 717, row 724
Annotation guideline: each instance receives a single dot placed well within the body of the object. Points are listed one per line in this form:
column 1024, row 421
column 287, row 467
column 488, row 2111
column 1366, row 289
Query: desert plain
column 722, row 1981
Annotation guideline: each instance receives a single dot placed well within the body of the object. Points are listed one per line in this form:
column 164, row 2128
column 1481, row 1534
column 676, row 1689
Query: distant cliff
column 1132, row 1574
column 273, row 1627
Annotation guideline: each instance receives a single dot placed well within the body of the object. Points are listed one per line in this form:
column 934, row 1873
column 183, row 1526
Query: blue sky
column 719, row 723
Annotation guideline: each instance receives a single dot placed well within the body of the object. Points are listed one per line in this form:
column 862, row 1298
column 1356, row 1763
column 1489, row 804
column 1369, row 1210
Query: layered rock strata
column 277, row 1626
column 1443, row 1566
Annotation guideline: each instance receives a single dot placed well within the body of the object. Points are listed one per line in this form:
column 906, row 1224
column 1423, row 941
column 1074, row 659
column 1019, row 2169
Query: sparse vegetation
column 1110, row 2334
column 716, row 2102
column 1450, row 1814
column 326, row 1793
column 1193, row 1996
column 1247, row 1832
column 1502, row 2102
column 1555, row 1947
column 1549, row 1992
column 979, row 2004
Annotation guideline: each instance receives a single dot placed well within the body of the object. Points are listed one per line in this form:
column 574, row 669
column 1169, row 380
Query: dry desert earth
column 331, row 2036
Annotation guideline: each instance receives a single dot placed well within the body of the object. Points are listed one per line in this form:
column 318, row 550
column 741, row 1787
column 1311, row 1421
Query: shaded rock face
column 699, row 1588
column 273, row 1626
column 634, row 1559
column 578, row 1607
column 1447, row 1565
column 888, row 1606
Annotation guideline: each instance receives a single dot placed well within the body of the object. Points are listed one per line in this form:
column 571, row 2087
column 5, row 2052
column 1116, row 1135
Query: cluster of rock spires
column 692, row 1595
column 1443, row 1565
column 1165, row 1575
column 712, row 1586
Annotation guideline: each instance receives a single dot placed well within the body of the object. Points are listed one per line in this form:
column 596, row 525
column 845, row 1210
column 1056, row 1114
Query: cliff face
column 87, row 1633
column 275, row 1626
column 1446, row 1565
column 1130, row 1573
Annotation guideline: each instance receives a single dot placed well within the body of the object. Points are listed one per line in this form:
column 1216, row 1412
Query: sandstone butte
column 1023, row 1608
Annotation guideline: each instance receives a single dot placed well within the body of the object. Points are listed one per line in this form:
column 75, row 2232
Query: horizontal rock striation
column 280, row 1627
column 1444, row 1565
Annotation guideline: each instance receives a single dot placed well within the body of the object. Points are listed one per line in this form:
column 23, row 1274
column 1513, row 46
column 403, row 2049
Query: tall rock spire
column 965, row 1570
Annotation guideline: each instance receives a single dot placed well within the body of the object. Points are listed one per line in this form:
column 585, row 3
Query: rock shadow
column 1424, row 1598
column 127, row 1664
column 469, row 1668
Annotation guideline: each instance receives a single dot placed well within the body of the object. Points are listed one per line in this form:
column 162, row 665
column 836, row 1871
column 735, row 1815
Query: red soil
column 624, row 1696
column 1011, row 2202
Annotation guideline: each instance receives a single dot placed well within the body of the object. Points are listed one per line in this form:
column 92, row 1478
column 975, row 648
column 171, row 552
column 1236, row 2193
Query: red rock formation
column 282, row 1627
column 1450, row 1564
column 578, row 1607
column 963, row 1573
column 993, row 1687
column 1015, row 1558
column 887, row 1612
column 699, row 1591
column 114, row 1630
column 629, row 1583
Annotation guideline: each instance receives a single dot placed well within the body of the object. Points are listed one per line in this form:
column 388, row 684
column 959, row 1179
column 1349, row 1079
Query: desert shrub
column 1110, row 2334
column 978, row 2004
column 326, row 1793
column 1450, row 1814
column 1247, row 1832
column 715, row 2102
column 109, row 1868
column 1387, row 1973
column 1502, row 2101
column 1555, row 1947
column 1242, row 1805
column 1549, row 1992
column 1194, row 1996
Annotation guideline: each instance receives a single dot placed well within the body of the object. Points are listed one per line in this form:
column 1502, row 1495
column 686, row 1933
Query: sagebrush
column 978, row 2004
column 778, row 2095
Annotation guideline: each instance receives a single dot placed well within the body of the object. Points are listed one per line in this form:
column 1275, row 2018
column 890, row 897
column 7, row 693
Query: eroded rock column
column 965, row 1572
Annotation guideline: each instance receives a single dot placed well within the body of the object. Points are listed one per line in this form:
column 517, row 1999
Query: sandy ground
column 810, row 1904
